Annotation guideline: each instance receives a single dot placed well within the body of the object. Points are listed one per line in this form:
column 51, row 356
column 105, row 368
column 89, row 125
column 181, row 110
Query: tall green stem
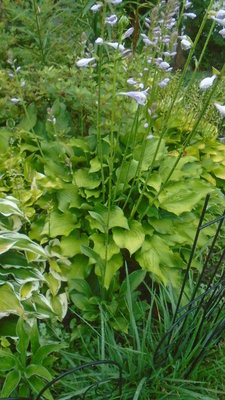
column 39, row 31
column 99, row 138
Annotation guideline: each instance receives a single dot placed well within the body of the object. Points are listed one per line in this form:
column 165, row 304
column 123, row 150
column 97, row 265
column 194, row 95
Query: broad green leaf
column 156, row 256
column 59, row 224
column 80, row 301
column 131, row 239
column 34, row 337
column 7, row 362
column 4, row 140
column 95, row 165
column 219, row 171
column 70, row 245
column 19, row 241
column 44, row 351
column 84, row 179
column 11, row 383
column 150, row 149
column 37, row 385
column 182, row 197
column 100, row 245
column 127, row 171
column 39, row 370
column 81, row 286
column 9, row 207
column 68, row 198
column 112, row 266
column 23, row 332
column 30, row 119
column 155, row 181
column 27, row 289
column 78, row 269
column 60, row 305
column 9, row 303
column 53, row 283
column 116, row 217
column 135, row 279
column 187, row 167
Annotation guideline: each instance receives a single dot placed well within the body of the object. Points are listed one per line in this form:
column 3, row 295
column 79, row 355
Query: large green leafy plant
column 125, row 185
column 26, row 288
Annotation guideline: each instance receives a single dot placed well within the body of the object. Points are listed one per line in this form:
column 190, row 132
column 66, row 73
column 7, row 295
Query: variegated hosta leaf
column 19, row 241
column 9, row 207
column 27, row 289
column 9, row 302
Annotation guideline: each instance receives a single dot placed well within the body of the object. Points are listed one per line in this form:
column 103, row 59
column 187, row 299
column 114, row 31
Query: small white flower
column 128, row 33
column 116, row 45
column 114, row 2
column 54, row 120
column 219, row 20
column 190, row 15
column 188, row 4
column 112, row 20
column 149, row 137
column 185, row 44
column 18, row 69
column 164, row 65
column 149, row 111
column 164, row 83
column 99, row 41
column 15, row 100
column 141, row 85
column 83, row 62
column 220, row 14
column 131, row 81
column 140, row 97
column 22, row 84
column 206, row 83
column 96, row 7
column 222, row 32
column 146, row 125
column 11, row 75
column 221, row 109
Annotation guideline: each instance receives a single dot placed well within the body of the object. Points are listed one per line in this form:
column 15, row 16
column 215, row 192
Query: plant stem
column 99, row 139
column 39, row 32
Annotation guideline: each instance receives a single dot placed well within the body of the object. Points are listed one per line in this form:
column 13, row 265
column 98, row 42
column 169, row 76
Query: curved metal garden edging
column 95, row 386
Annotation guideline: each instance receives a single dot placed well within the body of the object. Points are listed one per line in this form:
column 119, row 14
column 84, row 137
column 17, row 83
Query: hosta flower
column 185, row 44
column 188, row 4
column 128, row 33
column 15, row 100
column 164, row 83
column 190, row 15
column 219, row 20
column 99, row 41
column 83, row 62
column 221, row 109
column 114, row 2
column 164, row 65
column 140, row 97
column 220, row 14
column 96, row 7
column 112, row 20
column 222, row 32
column 206, row 83
column 116, row 45
column 131, row 81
